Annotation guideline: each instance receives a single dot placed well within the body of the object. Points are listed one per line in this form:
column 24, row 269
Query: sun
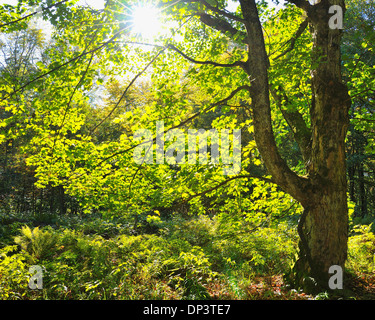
column 145, row 20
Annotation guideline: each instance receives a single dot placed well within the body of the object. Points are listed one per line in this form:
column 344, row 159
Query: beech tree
column 323, row 227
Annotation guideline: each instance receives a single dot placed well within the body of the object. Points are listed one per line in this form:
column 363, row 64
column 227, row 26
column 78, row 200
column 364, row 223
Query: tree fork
column 323, row 226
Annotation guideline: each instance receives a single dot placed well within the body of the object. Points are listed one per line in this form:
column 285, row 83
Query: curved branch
column 221, row 102
column 222, row 25
column 222, row 12
column 295, row 121
column 303, row 4
column 277, row 167
column 207, row 62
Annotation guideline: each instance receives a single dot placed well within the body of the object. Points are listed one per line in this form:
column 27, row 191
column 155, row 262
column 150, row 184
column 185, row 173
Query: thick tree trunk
column 323, row 231
column 324, row 225
column 323, row 228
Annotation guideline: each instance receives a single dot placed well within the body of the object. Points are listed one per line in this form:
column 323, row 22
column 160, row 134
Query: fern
column 36, row 242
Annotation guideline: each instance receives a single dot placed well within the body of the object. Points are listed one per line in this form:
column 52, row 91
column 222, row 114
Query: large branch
column 257, row 62
column 303, row 4
column 223, row 26
column 224, row 13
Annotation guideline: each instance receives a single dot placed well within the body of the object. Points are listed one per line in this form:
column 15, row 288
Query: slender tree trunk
column 351, row 172
column 62, row 206
column 362, row 190
column 352, row 166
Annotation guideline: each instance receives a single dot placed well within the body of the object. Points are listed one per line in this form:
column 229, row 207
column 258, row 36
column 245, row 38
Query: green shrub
column 263, row 250
column 361, row 249
column 8, row 231
column 13, row 274
column 197, row 231
column 106, row 229
column 36, row 242
column 186, row 259
column 190, row 271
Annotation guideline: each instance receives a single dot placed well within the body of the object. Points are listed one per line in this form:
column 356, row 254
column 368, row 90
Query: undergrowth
column 176, row 258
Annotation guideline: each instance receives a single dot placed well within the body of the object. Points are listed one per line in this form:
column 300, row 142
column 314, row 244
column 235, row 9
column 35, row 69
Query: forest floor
column 91, row 257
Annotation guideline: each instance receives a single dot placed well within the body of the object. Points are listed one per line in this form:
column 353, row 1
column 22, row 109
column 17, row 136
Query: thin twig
column 31, row 14
column 127, row 89
column 84, row 53
column 230, row 96
column 227, row 181
column 292, row 41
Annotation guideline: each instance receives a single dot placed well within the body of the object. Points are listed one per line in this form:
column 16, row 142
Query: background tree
column 358, row 59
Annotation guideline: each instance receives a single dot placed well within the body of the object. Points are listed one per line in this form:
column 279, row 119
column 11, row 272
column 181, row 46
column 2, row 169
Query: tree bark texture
column 323, row 193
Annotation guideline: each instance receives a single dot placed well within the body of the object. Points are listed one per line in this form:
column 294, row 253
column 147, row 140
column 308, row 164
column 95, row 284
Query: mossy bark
column 324, row 225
